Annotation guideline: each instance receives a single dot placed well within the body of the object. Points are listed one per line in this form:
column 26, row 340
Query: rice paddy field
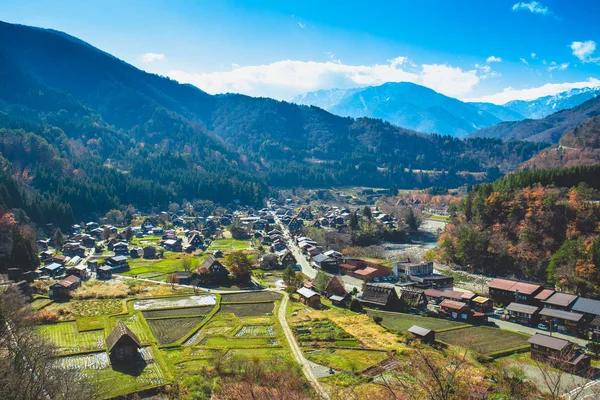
column 178, row 312
column 87, row 308
column 248, row 309
column 68, row 339
column 191, row 301
column 250, row 297
column 484, row 340
column 169, row 330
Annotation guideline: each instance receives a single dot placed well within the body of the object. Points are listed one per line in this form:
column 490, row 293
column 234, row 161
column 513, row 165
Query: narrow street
column 310, row 376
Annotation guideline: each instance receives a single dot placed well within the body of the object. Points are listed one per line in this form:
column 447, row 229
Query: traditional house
column 504, row 291
column 335, row 287
column 62, row 289
column 287, row 259
column 564, row 321
column 558, row 353
column 482, row 304
column 135, row 252
column 196, row 241
column 542, row 296
column 215, row 268
column 53, row 269
column 295, row 224
column 380, row 296
column 149, row 252
column 309, row 297
column 182, row 278
column 79, row 271
column 413, row 300
column 324, row 262
column 591, row 312
column 104, row 272
column 121, row 249
column 423, row 334
column 122, row 344
column 523, row 313
column 172, row 245
column 560, row 301
column 457, row 310
column 117, row 263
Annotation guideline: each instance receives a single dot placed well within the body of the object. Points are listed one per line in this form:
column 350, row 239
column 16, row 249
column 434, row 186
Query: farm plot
column 87, row 308
column 172, row 329
column 399, row 321
column 222, row 342
column 84, row 361
column 178, row 312
column 250, row 297
column 90, row 324
column 114, row 383
column 256, row 330
column 484, row 340
column 346, row 360
column 228, row 244
column 136, row 323
column 191, row 301
column 66, row 337
column 40, row 303
column 247, row 309
column 323, row 331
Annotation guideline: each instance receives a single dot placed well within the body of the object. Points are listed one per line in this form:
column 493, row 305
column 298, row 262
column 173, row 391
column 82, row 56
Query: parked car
column 499, row 311
column 543, row 327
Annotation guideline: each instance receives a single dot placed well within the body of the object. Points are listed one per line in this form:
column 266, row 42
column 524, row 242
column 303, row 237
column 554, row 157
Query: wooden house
column 564, row 321
column 309, row 297
column 287, row 259
column 423, row 334
column 523, row 313
column 104, row 272
column 149, row 252
column 380, row 296
column 560, row 301
column 212, row 265
column 505, row 291
column 482, row 304
column 62, row 288
column 457, row 310
column 413, row 300
column 117, row 263
column 558, row 353
column 123, row 345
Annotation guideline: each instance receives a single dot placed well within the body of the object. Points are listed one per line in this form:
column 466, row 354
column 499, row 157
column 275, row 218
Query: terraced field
column 68, row 340
column 256, row 330
column 483, row 339
column 248, row 309
column 172, row 329
column 178, row 312
column 250, row 297
column 136, row 323
column 179, row 302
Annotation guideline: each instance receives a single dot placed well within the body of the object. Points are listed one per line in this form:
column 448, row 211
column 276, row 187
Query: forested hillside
column 542, row 225
column 83, row 132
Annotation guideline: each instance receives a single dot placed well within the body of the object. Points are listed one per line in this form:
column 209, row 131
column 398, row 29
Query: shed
column 423, row 334
column 122, row 344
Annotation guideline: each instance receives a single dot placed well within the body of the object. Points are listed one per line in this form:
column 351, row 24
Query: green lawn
column 484, row 340
column 65, row 336
column 145, row 241
column 172, row 329
column 344, row 359
column 400, row 321
column 228, row 244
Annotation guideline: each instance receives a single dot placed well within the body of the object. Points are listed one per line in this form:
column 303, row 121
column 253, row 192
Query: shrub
column 101, row 290
column 47, row 316
column 377, row 319
column 356, row 306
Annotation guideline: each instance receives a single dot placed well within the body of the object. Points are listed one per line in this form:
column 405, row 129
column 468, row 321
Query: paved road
column 306, row 367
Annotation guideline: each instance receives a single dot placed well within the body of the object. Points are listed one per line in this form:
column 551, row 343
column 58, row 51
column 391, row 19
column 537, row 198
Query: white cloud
column 560, row 67
column 584, row 51
column 524, row 61
column 548, row 89
column 151, row 57
column 533, row 56
column 288, row 78
column 493, row 59
column 534, row 7
column 301, row 25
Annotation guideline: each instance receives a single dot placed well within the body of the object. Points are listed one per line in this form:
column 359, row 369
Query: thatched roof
column 379, row 295
column 120, row 331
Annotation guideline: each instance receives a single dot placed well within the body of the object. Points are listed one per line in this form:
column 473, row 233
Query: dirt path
column 308, row 372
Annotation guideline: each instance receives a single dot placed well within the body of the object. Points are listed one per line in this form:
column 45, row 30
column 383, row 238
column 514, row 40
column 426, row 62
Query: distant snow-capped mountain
column 544, row 106
column 404, row 104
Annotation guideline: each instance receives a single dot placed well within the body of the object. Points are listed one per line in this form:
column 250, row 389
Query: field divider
column 454, row 328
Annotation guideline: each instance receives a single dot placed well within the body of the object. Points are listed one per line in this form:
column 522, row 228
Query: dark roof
column 208, row 262
column 587, row 306
column 549, row 342
column 419, row 330
column 119, row 332
column 412, row 298
column 319, row 258
column 522, row 308
column 561, row 299
column 69, row 281
column 379, row 295
column 544, row 294
column 567, row 315
column 118, row 258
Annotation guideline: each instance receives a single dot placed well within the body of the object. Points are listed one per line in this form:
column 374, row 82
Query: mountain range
column 422, row 109
column 81, row 130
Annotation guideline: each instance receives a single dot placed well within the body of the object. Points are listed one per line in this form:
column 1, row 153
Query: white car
column 499, row 311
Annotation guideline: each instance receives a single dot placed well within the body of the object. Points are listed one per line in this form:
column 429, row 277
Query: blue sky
column 493, row 50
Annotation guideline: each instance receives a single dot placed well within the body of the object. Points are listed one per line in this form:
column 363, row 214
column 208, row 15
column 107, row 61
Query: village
column 162, row 295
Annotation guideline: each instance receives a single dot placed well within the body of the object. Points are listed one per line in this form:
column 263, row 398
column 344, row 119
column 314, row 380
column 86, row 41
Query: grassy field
column 224, row 342
column 255, row 330
column 159, row 269
column 399, row 321
column 248, row 309
column 145, row 241
column 228, row 244
column 178, row 312
column 323, row 331
column 250, row 297
column 483, row 340
column 65, row 336
column 90, row 324
column 87, row 308
column 345, row 360
column 39, row 303
column 172, row 329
